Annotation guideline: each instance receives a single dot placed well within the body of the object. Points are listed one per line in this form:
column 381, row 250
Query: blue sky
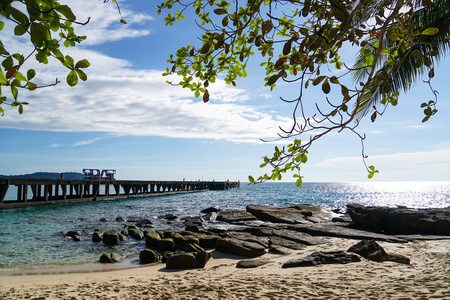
column 127, row 118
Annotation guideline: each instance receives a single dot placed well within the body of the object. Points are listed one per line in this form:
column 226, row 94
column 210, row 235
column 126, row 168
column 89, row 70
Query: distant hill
column 48, row 175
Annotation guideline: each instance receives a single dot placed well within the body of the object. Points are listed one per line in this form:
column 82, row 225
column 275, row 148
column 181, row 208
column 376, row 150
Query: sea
column 33, row 238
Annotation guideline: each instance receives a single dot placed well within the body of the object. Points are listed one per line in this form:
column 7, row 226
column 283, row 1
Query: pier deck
column 48, row 191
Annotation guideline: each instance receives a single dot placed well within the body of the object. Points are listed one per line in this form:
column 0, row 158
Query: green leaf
column 66, row 11
column 318, row 80
column 72, row 78
column 14, row 92
column 220, row 11
column 251, row 179
column 326, row 86
column 20, row 109
column 30, row 74
column 81, row 64
column 430, row 31
column 68, row 62
column 299, row 182
column 20, row 29
column 39, row 34
column 81, row 74
column 370, row 175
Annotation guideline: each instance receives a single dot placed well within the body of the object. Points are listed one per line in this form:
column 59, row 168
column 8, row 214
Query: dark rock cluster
column 262, row 229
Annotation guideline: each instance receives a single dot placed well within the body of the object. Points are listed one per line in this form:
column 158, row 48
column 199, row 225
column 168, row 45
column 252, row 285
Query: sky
column 126, row 117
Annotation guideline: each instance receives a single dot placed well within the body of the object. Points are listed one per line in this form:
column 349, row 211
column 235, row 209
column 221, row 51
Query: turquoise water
column 34, row 237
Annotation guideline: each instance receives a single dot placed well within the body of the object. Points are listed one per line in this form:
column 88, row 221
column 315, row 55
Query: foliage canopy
column 48, row 25
column 301, row 42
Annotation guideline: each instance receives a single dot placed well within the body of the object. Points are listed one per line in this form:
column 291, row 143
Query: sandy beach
column 427, row 277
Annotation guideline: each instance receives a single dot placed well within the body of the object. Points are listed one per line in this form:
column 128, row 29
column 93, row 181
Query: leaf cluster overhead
column 49, row 27
column 301, row 42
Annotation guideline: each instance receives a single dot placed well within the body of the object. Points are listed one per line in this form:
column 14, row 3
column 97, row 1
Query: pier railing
column 46, row 191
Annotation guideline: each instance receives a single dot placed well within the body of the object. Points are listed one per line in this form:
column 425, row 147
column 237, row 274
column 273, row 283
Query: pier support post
column 4, row 186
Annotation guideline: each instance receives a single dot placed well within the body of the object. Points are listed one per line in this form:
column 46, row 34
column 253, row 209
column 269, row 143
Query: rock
column 211, row 209
column 295, row 236
column 103, row 220
column 181, row 240
column 252, row 263
column 130, row 226
column 97, row 236
column 170, row 217
column 164, row 245
column 280, row 250
column 433, row 221
column 120, row 219
column 136, row 234
column 343, row 232
column 369, row 249
column 192, row 248
column 73, row 233
column 207, row 241
column 242, row 248
column 124, row 231
column 276, row 241
column 122, row 237
column 151, row 239
column 248, row 237
column 194, row 224
column 168, row 234
column 109, row 258
column 111, row 238
column 188, row 260
column 288, row 215
column 76, row 238
column 148, row 256
column 317, row 258
column 145, row 223
column 231, row 216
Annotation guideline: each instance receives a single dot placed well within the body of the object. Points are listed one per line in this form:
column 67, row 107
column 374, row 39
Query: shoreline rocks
column 261, row 229
column 401, row 220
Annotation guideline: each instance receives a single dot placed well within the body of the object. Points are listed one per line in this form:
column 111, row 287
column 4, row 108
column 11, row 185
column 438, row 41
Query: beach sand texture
column 427, row 277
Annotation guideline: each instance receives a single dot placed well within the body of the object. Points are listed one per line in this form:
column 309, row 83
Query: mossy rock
column 181, row 240
column 110, row 258
column 97, row 236
column 111, row 238
column 164, row 245
column 136, row 234
column 148, row 256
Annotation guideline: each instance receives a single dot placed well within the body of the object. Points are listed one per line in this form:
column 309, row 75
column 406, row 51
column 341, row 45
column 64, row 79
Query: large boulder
column 402, row 220
column 111, row 238
column 136, row 234
column 295, row 236
column 232, row 216
column 326, row 257
column 163, row 245
column 152, row 239
column 299, row 214
column 369, row 249
column 148, row 256
column 194, row 224
column 188, row 260
column 181, row 240
column 96, row 236
column 238, row 247
column 110, row 258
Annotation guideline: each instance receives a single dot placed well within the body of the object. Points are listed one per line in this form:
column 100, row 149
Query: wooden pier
column 49, row 191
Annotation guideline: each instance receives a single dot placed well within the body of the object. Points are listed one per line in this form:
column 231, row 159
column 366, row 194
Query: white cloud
column 123, row 101
column 414, row 166
column 120, row 100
